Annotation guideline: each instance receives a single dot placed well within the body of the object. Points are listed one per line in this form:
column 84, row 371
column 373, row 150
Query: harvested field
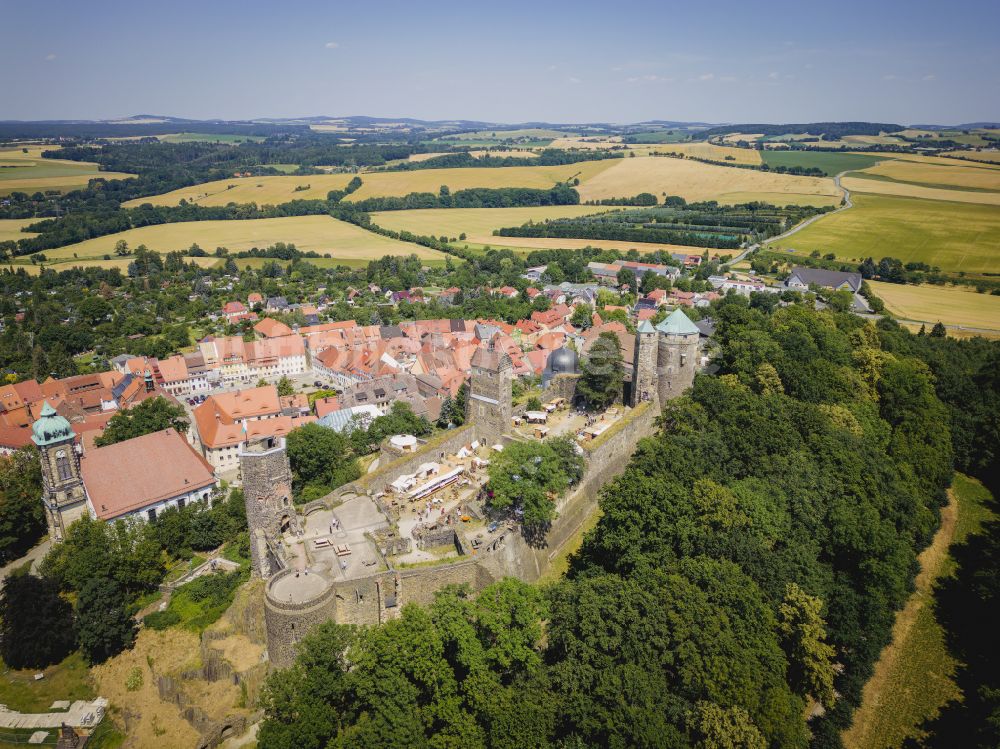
column 259, row 190
column 322, row 234
column 277, row 190
column 694, row 181
column 29, row 172
column 958, row 306
column 376, row 184
column 10, row 229
column 953, row 236
column 711, row 151
column 992, row 157
column 856, row 183
column 935, row 173
column 513, row 153
column 478, row 225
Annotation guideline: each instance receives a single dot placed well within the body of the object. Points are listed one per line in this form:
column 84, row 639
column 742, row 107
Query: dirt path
column 931, row 560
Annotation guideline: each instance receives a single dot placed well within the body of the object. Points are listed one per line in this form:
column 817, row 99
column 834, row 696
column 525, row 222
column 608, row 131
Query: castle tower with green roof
column 63, row 494
column 665, row 359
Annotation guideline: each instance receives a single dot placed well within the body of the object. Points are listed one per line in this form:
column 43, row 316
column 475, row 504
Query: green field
column 210, row 138
column 322, row 234
column 953, row 236
column 831, row 162
column 913, row 678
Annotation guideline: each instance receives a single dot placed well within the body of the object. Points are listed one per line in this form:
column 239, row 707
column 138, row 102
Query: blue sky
column 512, row 61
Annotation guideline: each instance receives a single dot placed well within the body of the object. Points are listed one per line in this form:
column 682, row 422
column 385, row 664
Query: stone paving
column 79, row 714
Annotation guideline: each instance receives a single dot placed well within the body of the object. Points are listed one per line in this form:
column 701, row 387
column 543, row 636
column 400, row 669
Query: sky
column 725, row 61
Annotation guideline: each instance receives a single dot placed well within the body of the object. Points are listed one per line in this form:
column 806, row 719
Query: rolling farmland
column 29, row 172
column 937, row 174
column 478, row 225
column 276, row 190
column 831, row 162
column 857, row 182
column 953, row 236
column 694, row 180
column 10, row 229
column 322, row 234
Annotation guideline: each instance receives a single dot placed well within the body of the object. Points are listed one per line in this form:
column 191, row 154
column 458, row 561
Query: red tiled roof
column 136, row 473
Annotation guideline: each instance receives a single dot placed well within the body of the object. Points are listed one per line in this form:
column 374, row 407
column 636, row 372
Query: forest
column 744, row 573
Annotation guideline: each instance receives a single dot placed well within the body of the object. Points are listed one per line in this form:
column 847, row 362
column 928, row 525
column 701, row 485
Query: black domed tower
column 561, row 361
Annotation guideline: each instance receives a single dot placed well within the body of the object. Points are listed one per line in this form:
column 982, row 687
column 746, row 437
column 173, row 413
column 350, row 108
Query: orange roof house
column 131, row 476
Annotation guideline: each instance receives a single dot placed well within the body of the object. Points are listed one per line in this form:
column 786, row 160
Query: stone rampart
column 436, row 448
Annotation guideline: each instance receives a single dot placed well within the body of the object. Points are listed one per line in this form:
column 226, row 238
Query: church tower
column 267, row 494
column 490, row 406
column 676, row 355
column 644, row 364
column 63, row 493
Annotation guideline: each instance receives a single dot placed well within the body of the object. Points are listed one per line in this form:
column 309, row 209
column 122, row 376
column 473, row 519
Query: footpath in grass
column 914, row 676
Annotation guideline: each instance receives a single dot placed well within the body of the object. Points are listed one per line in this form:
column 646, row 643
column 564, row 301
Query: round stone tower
column 676, row 355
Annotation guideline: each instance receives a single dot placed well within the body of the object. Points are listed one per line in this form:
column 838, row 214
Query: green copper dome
column 677, row 323
column 50, row 427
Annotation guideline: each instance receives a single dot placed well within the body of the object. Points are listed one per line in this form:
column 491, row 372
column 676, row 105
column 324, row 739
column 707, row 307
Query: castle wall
column 434, row 449
column 562, row 386
column 607, row 458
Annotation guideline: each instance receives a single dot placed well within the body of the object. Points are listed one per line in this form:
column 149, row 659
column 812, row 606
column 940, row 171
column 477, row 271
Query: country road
column 847, row 204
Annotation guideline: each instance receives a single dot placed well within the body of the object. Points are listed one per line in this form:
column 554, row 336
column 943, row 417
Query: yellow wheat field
column 950, row 305
column 909, row 190
column 322, row 234
column 990, row 157
column 10, row 229
column 695, row 181
column 277, row 190
column 950, row 172
column 259, row 190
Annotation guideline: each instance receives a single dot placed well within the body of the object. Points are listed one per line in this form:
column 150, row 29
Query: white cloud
column 574, row 79
column 774, row 75
column 930, row 77
column 551, row 68
column 706, row 76
column 50, row 57
column 889, row 77
column 331, row 45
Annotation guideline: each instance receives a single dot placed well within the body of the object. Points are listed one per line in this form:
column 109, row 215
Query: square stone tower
column 63, row 493
column 490, row 405
column 644, row 364
column 267, row 494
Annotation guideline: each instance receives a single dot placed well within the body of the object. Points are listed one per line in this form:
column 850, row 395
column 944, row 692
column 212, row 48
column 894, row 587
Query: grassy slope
column 10, row 229
column 952, row 236
column 913, row 677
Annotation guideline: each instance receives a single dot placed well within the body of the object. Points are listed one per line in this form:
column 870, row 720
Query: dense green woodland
column 747, row 564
